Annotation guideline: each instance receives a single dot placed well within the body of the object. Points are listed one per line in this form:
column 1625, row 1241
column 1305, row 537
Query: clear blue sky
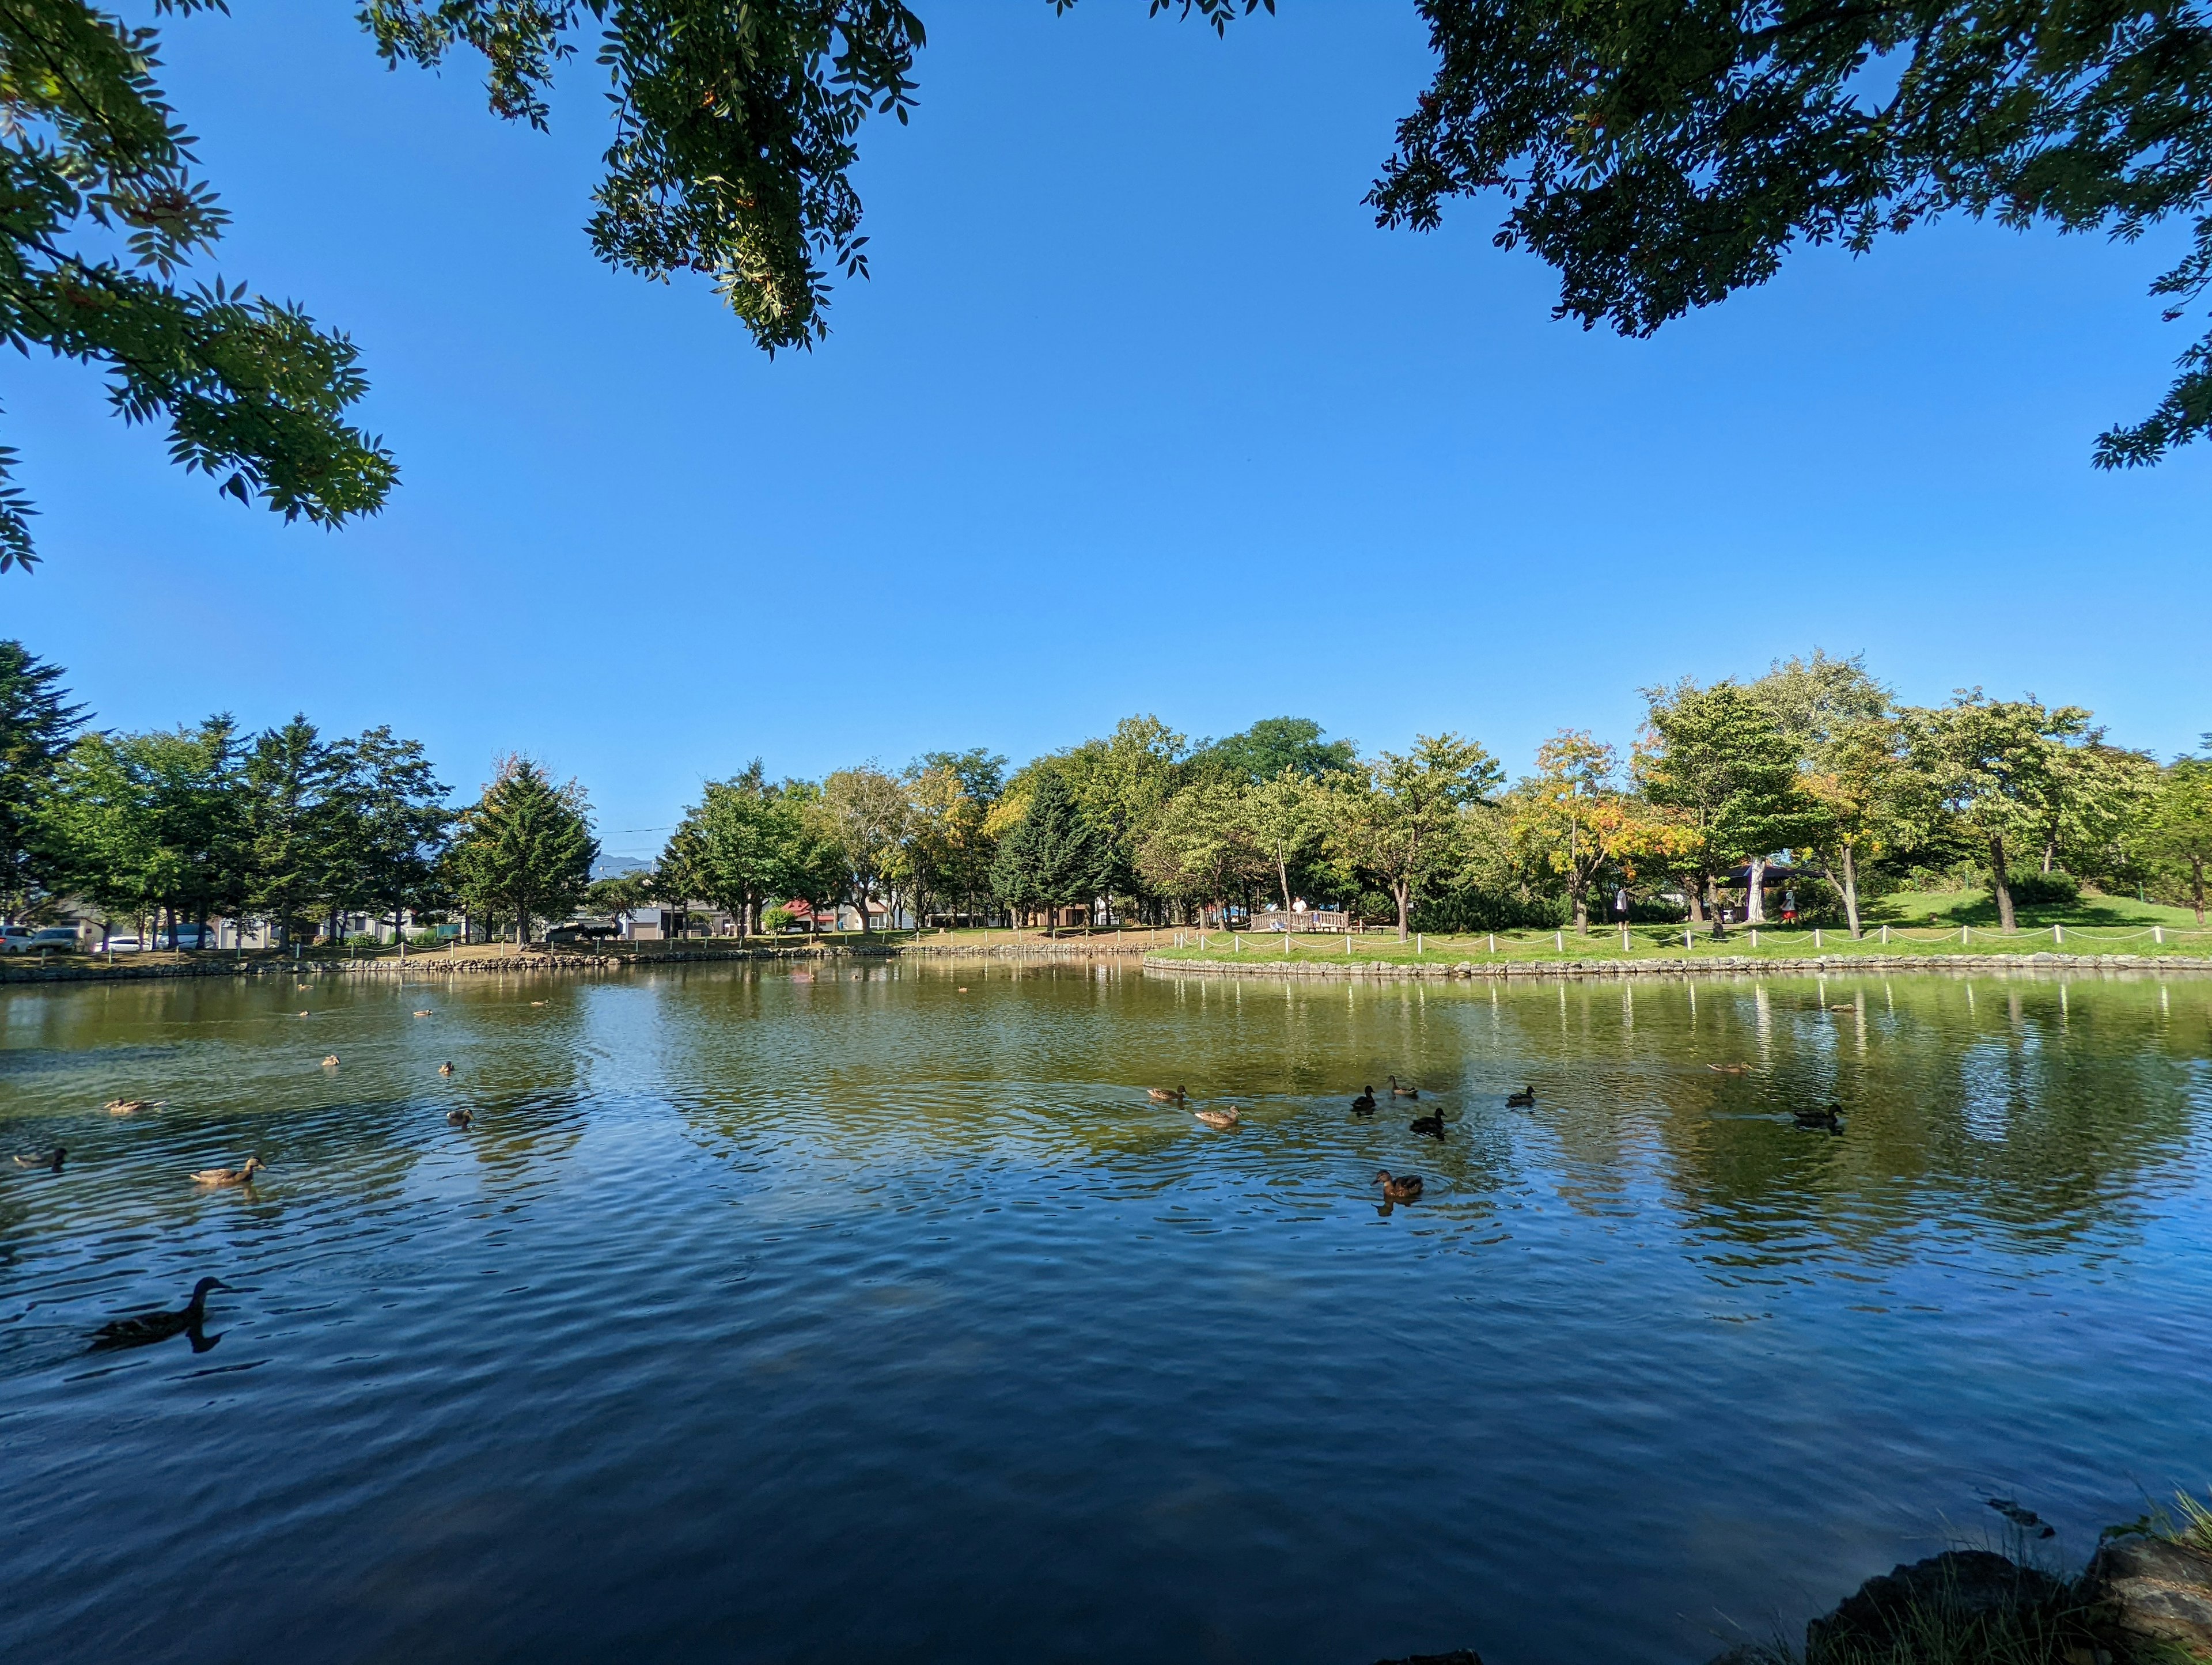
column 1139, row 412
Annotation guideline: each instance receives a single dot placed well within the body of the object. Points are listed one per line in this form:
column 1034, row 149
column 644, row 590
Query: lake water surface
column 879, row 1315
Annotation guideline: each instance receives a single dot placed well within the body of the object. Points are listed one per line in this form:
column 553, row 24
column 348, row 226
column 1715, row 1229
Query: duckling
column 538, row 1003
column 132, row 1106
column 1397, row 1091
column 49, row 1160
column 303, row 1014
column 1222, row 1118
column 1432, row 1125
column 1365, row 1105
column 446, row 1068
column 422, row 1014
column 138, row 1329
column 1828, row 1120
column 1522, row 1100
column 1399, row 1188
column 331, row 1062
column 1159, row 1095
column 459, row 1118
column 230, row 1175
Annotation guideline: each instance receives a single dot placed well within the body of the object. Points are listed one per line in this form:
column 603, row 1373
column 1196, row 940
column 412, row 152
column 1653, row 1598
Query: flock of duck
column 1407, row 1187
column 1396, row 1188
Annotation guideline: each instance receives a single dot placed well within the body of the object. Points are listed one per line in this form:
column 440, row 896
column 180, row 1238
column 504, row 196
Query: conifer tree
column 1055, row 856
column 525, row 849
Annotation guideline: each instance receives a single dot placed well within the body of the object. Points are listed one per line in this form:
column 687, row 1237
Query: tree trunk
column 2000, row 885
column 1404, row 895
column 2049, row 854
column 2196, row 884
column 1580, row 894
column 1283, row 873
column 1851, row 892
column 1754, row 892
column 1696, row 888
column 521, row 927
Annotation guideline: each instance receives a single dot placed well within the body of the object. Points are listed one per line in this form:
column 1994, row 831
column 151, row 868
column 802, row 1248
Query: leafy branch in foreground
column 734, row 128
column 1663, row 157
column 99, row 213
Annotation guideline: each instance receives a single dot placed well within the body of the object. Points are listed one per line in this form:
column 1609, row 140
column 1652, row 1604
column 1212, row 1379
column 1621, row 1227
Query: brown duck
column 139, row 1328
column 1399, row 1188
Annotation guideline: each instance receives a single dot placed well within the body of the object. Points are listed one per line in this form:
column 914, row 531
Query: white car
column 120, row 945
column 14, row 937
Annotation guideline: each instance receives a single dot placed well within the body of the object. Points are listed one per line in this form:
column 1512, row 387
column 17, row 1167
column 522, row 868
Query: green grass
column 1922, row 908
column 1926, row 936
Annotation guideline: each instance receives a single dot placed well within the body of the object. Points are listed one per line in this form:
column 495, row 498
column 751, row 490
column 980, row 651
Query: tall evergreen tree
column 37, row 723
column 1055, row 856
column 390, row 821
column 525, row 849
column 290, row 777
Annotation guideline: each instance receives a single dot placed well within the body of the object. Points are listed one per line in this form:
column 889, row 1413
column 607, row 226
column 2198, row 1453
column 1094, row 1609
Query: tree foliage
column 523, row 850
column 37, row 723
column 1663, row 158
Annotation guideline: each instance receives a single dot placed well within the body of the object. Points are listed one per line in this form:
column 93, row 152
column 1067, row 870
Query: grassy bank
column 1930, row 925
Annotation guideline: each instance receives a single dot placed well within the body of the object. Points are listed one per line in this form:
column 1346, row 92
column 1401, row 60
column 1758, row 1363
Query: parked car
column 186, row 936
column 47, row 936
column 14, row 938
column 120, row 945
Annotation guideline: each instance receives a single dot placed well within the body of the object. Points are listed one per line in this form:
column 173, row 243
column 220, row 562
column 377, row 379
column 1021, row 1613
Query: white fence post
column 1816, row 936
column 2157, row 933
column 1884, row 936
column 1754, row 936
column 1493, row 942
column 1560, row 942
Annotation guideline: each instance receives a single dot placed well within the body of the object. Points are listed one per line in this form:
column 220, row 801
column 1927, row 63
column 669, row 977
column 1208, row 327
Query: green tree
column 1272, row 744
column 389, row 816
column 741, row 829
column 1201, row 848
column 1396, row 825
column 1573, row 814
column 289, row 776
column 36, row 725
column 871, row 820
column 2180, row 822
column 523, row 851
column 1849, row 762
column 1663, row 158
column 1055, row 856
column 810, row 864
column 1989, row 765
column 99, row 814
column 1285, row 815
column 1723, row 764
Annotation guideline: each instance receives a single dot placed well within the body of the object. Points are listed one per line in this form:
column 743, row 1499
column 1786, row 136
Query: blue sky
column 1139, row 412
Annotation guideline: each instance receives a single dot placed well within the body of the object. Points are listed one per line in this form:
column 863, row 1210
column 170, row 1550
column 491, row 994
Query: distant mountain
column 614, row 867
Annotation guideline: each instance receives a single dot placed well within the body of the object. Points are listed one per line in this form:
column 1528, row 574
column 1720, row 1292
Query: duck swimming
column 1829, row 1120
column 1222, row 1118
column 1727, row 1069
column 422, row 1014
column 1399, row 1188
column 1432, row 1125
column 459, row 1118
column 331, row 1062
column 132, row 1106
column 49, row 1160
column 1161, row 1096
column 230, row 1175
column 143, row 1327
column 1522, row 1100
column 445, row 1069
column 1365, row 1105
column 1397, row 1091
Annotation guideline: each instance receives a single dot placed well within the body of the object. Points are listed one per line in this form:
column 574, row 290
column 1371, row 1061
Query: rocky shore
column 2142, row 1601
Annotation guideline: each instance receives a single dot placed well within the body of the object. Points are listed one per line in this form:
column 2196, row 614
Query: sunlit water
column 776, row 1317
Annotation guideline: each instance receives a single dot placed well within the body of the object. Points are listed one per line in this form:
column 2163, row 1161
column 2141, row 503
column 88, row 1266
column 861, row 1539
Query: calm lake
column 879, row 1315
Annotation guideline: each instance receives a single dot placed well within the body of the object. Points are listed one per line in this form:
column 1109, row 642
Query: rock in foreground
column 2153, row 1594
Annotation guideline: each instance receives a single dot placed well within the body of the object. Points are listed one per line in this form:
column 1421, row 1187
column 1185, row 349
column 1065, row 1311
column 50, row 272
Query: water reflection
column 729, row 1283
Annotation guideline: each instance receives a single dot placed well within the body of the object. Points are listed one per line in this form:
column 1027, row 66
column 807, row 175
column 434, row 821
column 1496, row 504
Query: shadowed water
column 774, row 1317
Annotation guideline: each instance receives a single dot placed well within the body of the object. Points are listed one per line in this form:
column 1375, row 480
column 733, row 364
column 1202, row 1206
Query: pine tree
column 525, row 849
column 37, row 724
column 1054, row 857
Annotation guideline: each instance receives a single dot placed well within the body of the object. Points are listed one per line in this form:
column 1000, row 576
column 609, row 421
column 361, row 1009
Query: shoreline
column 1154, row 962
column 1717, row 966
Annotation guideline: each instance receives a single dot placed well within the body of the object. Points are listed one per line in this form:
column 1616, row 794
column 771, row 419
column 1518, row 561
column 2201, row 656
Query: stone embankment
column 607, row 957
column 1719, row 965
